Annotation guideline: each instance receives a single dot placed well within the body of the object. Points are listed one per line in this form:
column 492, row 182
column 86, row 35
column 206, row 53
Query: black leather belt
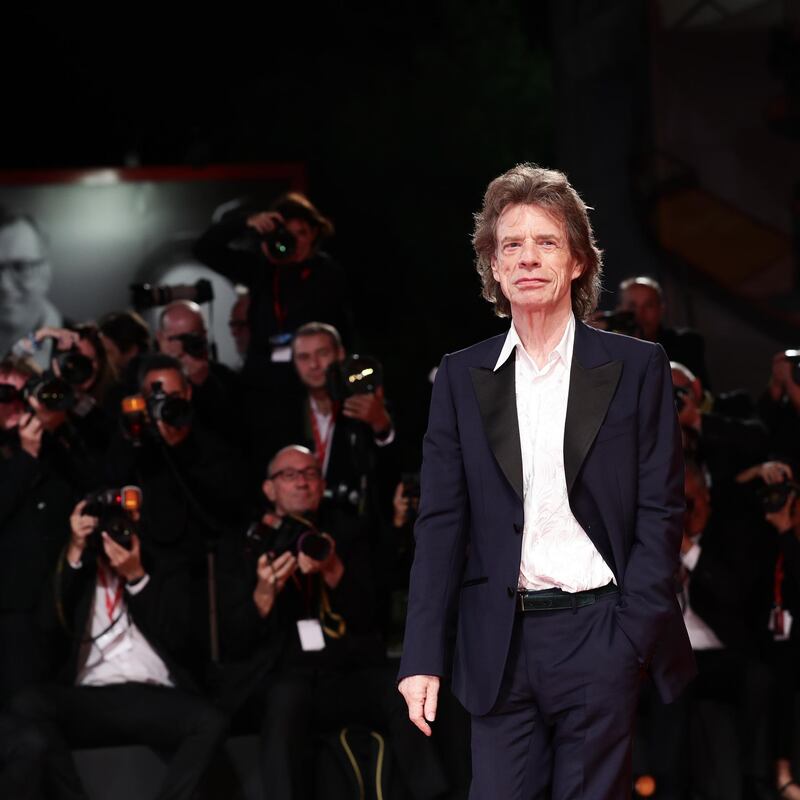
column 557, row 599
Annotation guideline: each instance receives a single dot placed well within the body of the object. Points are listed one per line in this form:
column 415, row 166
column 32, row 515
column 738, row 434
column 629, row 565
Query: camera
column 145, row 295
column 280, row 242
column 619, row 321
column 294, row 534
column 74, row 367
column 194, row 344
column 115, row 509
column 773, row 496
column 355, row 375
column 50, row 391
column 174, row 411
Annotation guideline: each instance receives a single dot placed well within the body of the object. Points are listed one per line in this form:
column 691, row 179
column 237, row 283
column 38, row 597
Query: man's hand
column 81, row 527
column 272, row 577
column 331, row 568
column 65, row 339
column 769, row 472
column 421, row 693
column 126, row 563
column 370, row 409
column 265, row 221
column 30, row 434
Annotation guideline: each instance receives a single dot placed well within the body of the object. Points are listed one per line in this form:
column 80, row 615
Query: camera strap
column 112, row 600
column 333, row 624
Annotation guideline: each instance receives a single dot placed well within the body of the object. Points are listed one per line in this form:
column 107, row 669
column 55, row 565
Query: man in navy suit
column 550, row 517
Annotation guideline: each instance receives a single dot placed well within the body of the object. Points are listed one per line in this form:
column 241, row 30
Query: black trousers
column 299, row 704
column 22, row 753
column 164, row 718
column 563, row 721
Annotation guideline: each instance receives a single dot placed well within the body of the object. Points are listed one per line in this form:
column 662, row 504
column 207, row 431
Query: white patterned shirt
column 556, row 552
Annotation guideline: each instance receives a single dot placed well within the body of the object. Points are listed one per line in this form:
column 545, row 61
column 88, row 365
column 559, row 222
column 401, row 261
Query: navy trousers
column 562, row 727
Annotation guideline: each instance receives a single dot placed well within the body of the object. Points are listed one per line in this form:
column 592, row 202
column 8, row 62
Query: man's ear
column 268, row 487
column 577, row 270
column 493, row 264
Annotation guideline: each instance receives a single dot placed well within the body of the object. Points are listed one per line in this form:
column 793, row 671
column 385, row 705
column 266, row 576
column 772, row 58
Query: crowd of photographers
column 732, row 734
column 187, row 550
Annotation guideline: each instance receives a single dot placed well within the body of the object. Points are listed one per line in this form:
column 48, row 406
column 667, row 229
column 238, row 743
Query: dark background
column 402, row 113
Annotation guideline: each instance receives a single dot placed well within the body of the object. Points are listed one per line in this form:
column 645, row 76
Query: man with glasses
column 304, row 617
column 25, row 275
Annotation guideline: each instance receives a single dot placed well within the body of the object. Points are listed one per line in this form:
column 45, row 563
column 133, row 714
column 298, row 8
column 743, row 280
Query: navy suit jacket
column 624, row 470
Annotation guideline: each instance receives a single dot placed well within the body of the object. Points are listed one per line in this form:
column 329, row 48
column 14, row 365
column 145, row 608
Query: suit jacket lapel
column 497, row 399
column 592, row 382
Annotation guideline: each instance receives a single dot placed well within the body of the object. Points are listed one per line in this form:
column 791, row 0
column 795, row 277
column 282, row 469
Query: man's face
column 533, row 263
column 646, row 304
column 239, row 324
column 295, row 485
column 173, row 384
column 11, row 413
column 25, row 274
column 312, row 356
column 176, row 322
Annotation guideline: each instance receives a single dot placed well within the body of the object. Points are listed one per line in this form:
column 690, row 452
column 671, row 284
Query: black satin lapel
column 496, row 393
column 590, row 393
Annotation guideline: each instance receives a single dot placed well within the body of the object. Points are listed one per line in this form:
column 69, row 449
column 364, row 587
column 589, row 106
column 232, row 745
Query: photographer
column 779, row 406
column 126, row 339
column 351, row 433
column 122, row 616
column 307, row 603
column 215, row 388
column 290, row 280
column 44, row 465
column 784, row 639
column 726, row 445
column 192, row 478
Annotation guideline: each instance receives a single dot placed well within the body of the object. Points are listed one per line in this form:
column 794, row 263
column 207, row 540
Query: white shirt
column 118, row 652
column 701, row 636
column 325, row 427
column 556, row 552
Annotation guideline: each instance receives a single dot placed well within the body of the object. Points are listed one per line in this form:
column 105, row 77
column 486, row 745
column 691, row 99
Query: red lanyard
column 320, row 444
column 112, row 600
column 778, row 591
column 280, row 314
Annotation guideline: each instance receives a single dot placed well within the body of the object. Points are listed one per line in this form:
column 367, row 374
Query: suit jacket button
column 510, row 590
column 517, row 527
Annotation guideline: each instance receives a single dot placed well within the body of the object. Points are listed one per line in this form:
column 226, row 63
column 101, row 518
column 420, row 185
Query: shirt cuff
column 690, row 558
column 388, row 439
column 137, row 586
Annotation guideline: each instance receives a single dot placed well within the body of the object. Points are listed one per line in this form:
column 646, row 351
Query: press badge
column 780, row 623
column 281, row 355
column 311, row 636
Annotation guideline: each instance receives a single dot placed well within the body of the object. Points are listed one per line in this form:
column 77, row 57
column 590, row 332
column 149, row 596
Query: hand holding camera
column 272, row 577
column 30, row 433
column 330, row 568
column 369, row 409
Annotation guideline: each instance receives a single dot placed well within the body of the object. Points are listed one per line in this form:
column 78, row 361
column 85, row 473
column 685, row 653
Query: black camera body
column 49, row 390
column 619, row 322
column 145, row 295
column 114, row 509
column 73, row 367
column 280, row 242
column 194, row 344
column 293, row 535
column 174, row 411
column 355, row 375
column 773, row 496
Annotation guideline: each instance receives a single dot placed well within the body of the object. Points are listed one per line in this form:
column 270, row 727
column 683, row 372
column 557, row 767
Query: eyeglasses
column 21, row 270
column 290, row 474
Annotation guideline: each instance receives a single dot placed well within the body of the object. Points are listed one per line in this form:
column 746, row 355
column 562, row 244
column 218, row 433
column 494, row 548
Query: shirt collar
column 563, row 349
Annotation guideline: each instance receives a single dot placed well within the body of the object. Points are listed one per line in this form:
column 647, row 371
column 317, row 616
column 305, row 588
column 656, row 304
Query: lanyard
column 320, row 444
column 112, row 600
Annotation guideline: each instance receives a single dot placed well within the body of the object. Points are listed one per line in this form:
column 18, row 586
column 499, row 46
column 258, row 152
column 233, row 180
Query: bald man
column 216, row 393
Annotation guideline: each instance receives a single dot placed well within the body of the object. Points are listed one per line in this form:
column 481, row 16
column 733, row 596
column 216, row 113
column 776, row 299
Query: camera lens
column 175, row 411
column 75, row 368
